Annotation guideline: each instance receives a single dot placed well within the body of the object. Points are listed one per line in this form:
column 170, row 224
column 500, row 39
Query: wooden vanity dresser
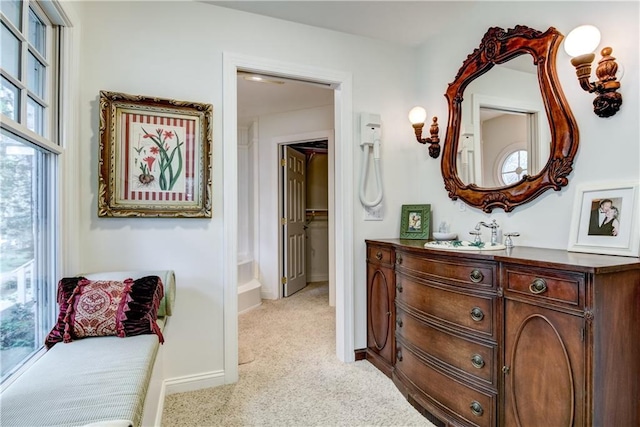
column 520, row 337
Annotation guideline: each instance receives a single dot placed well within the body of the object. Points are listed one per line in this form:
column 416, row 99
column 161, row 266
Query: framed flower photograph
column 155, row 157
column 415, row 221
column 605, row 219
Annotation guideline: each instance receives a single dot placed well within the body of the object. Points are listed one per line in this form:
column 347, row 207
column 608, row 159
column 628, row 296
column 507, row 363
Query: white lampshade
column 582, row 40
column 417, row 115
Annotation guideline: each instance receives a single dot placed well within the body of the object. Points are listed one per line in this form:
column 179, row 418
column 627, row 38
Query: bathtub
column 248, row 286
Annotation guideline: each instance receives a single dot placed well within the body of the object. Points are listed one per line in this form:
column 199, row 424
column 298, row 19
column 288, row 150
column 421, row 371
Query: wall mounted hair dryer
column 370, row 134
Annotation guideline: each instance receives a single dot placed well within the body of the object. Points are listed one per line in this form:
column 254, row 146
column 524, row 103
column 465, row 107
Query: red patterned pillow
column 103, row 308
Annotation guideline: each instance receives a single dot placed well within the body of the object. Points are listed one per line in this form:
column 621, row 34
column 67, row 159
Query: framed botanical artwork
column 155, row 157
column 414, row 222
column 605, row 219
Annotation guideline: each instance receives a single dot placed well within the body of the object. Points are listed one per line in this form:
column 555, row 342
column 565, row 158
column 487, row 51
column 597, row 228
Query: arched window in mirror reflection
column 513, row 167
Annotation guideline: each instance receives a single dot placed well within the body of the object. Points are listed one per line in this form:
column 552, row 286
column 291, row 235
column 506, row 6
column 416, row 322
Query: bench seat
column 83, row 382
column 101, row 381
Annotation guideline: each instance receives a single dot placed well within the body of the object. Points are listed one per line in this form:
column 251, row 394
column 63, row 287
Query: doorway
column 304, row 209
column 343, row 196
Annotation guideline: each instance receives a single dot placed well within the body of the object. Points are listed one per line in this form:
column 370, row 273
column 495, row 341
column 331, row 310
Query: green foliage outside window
column 17, row 328
column 16, row 209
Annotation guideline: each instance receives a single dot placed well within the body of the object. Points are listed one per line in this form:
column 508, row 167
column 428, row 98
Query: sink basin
column 464, row 245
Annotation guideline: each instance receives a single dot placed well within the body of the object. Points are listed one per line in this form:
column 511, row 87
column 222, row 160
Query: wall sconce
column 580, row 44
column 417, row 116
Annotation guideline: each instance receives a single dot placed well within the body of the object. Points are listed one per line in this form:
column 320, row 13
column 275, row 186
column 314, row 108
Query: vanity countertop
column 541, row 257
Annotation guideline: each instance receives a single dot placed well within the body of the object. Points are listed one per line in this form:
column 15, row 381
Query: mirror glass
column 505, row 134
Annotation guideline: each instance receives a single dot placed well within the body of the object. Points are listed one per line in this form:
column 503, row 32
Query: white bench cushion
column 83, row 382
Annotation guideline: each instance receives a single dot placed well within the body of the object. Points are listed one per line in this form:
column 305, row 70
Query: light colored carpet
column 290, row 376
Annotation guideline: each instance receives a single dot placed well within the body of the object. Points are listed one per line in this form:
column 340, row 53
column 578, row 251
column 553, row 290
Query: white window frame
column 59, row 114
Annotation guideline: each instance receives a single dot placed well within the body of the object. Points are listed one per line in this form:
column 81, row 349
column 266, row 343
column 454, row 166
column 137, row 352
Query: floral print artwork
column 165, row 153
column 160, row 160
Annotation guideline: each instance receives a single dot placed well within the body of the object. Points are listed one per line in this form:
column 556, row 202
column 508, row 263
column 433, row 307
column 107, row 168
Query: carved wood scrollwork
column 499, row 46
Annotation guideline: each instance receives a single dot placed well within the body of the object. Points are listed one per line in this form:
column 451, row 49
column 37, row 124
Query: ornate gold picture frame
column 155, row 157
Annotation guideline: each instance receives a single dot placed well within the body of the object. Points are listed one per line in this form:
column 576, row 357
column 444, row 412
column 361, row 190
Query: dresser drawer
column 475, row 274
column 469, row 312
column 470, row 358
column 379, row 254
column 475, row 407
column 549, row 286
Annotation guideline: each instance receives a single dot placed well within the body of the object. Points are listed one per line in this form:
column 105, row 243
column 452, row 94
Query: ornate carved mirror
column 535, row 160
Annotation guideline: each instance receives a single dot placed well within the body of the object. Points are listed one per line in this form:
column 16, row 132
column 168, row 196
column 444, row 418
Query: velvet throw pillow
column 106, row 308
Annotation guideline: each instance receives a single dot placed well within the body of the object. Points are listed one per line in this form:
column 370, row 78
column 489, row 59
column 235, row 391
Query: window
column 513, row 167
column 29, row 191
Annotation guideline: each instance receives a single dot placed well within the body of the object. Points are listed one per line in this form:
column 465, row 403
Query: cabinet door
column 381, row 312
column 544, row 372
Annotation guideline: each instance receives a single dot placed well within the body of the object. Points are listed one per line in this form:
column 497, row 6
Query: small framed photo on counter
column 414, row 221
column 605, row 219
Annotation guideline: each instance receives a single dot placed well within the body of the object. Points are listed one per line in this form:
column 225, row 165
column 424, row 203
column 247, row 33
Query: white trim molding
column 193, row 382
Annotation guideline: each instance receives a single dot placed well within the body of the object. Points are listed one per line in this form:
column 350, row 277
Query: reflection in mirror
column 502, row 115
column 488, row 174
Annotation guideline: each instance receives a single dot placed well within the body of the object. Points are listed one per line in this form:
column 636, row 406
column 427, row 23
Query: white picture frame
column 605, row 219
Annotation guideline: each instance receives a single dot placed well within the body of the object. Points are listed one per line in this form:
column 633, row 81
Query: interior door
column 294, row 198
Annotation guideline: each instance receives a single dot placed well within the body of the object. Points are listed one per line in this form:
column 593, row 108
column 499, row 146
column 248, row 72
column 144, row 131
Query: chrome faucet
column 494, row 231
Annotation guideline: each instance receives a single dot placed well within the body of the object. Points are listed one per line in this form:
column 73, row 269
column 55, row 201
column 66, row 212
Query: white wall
column 275, row 129
column 245, row 194
column 174, row 50
column 501, row 136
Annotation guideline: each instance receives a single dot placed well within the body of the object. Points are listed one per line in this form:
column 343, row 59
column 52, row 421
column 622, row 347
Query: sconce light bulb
column 417, row 115
column 582, row 40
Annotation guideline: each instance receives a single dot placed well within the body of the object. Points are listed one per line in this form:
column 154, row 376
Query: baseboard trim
column 160, row 407
column 193, row 382
column 360, row 354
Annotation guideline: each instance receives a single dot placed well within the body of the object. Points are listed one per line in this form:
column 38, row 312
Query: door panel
column 294, row 227
column 544, row 352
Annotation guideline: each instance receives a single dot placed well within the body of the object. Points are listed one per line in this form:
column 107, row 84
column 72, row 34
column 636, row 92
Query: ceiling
column 403, row 24
column 407, row 23
column 259, row 98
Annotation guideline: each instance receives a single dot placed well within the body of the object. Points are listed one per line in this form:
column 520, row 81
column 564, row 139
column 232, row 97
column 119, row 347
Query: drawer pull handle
column 476, row 314
column 476, row 276
column 399, row 288
column 477, row 361
column 399, row 322
column 399, row 259
column 476, row 408
column 538, row 286
column 399, row 355
column 378, row 255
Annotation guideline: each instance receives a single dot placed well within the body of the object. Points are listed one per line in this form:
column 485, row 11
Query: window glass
column 9, row 99
column 514, row 167
column 13, row 11
column 10, row 53
column 35, row 116
column 37, row 33
column 25, row 263
column 36, row 75
column 28, row 185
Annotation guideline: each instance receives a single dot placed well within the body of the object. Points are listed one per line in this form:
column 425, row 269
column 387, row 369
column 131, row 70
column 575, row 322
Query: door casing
column 343, row 196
